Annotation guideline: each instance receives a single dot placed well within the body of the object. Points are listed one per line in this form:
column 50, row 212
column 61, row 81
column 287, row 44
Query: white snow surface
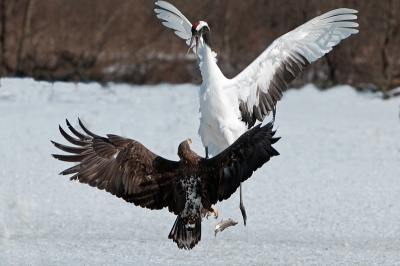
column 331, row 198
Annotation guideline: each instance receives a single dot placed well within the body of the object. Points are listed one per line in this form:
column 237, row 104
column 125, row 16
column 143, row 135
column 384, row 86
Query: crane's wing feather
column 237, row 163
column 175, row 20
column 122, row 167
column 261, row 84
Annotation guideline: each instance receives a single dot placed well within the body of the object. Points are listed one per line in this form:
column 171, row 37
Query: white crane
column 229, row 107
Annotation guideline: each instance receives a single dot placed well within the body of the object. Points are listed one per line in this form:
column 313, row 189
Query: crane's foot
column 243, row 210
column 213, row 210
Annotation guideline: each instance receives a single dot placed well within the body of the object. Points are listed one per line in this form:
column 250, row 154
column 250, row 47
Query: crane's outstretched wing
column 175, row 20
column 261, row 84
column 122, row 167
column 237, row 163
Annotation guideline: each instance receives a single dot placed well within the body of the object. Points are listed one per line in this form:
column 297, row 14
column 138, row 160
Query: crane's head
column 200, row 29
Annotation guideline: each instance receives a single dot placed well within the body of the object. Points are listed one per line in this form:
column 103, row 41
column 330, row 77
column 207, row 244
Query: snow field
column 332, row 197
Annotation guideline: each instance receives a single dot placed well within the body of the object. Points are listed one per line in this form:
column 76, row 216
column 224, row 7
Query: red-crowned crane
column 229, row 107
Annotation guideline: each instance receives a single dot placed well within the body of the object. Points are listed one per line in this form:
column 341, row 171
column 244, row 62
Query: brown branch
column 100, row 37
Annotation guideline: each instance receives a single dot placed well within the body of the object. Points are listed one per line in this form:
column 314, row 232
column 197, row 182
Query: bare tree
column 25, row 32
column 2, row 37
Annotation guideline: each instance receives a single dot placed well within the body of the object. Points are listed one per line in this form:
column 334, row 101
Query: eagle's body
column 127, row 169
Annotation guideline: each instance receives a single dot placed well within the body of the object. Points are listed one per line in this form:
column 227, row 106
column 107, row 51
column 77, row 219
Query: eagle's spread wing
column 122, row 167
column 238, row 162
column 261, row 84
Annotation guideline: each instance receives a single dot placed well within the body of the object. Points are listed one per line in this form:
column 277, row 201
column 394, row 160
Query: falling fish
column 224, row 224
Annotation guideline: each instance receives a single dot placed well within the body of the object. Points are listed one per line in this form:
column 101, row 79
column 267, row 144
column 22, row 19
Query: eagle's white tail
column 184, row 237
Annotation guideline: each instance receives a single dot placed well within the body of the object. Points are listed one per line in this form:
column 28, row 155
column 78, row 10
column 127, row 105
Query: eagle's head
column 186, row 154
column 184, row 148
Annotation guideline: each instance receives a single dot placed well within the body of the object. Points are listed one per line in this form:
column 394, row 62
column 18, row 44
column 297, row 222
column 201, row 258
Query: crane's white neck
column 208, row 63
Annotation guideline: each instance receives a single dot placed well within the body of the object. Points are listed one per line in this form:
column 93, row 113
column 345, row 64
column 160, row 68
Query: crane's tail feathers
column 183, row 237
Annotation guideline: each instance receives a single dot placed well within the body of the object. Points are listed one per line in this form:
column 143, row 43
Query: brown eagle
column 189, row 187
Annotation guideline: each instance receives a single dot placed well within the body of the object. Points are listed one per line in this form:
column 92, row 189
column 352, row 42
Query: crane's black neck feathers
column 206, row 33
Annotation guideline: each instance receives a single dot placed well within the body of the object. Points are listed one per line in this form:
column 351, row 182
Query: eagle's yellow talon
column 210, row 213
column 215, row 213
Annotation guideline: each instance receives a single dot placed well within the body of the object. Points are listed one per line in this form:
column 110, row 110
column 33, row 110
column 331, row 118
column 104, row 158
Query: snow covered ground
column 331, row 198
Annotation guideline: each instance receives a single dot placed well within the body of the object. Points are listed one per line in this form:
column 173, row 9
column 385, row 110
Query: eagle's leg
column 211, row 211
column 241, row 206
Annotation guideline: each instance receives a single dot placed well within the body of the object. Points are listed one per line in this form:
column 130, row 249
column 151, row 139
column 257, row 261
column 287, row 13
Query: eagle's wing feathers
column 122, row 167
column 238, row 162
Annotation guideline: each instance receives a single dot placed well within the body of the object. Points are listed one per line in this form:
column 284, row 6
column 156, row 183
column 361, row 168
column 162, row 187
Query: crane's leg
column 241, row 206
column 206, row 152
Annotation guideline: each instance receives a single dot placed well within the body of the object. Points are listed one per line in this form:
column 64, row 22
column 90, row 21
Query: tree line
column 123, row 41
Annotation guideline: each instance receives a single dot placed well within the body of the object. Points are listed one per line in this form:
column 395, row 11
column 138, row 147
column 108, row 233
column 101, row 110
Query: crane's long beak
column 191, row 42
column 190, row 45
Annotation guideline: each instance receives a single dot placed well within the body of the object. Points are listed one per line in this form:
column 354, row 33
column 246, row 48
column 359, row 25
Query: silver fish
column 224, row 224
